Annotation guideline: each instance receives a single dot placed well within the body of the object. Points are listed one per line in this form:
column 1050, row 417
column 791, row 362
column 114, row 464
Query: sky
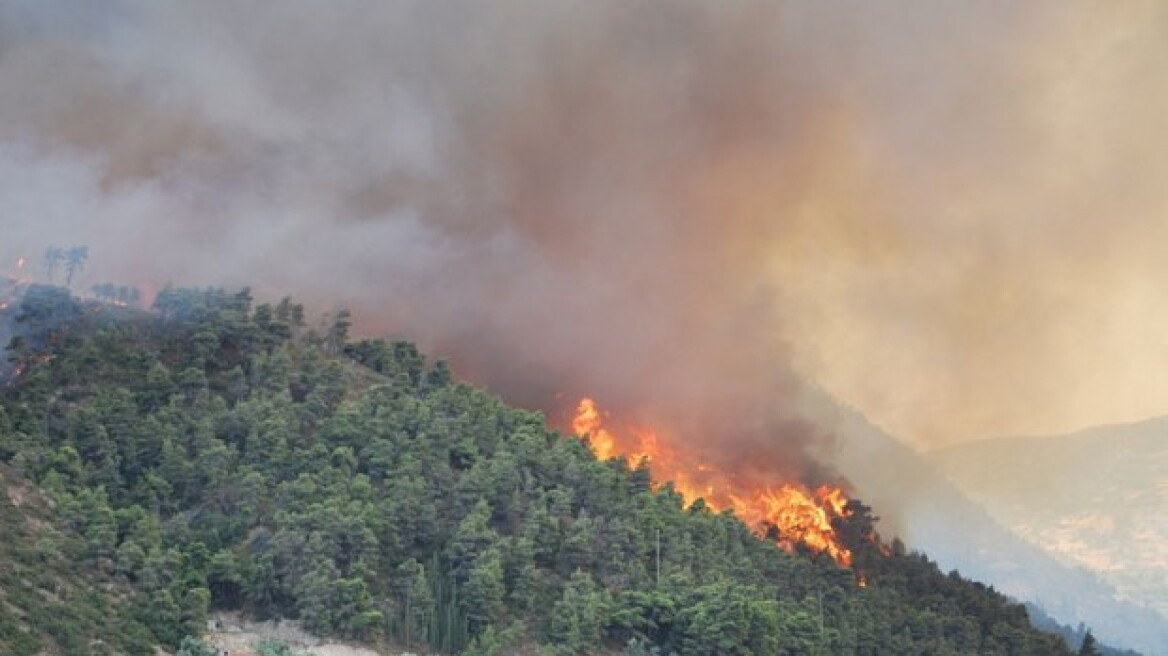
column 950, row 216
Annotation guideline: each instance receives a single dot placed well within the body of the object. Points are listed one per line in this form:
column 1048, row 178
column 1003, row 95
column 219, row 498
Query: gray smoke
column 680, row 208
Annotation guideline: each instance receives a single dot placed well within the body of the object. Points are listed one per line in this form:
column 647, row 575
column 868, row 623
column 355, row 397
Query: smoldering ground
column 945, row 214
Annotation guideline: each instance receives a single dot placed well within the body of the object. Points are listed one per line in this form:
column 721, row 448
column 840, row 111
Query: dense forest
column 216, row 453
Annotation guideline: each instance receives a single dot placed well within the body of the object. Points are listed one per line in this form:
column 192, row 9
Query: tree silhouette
column 1088, row 647
column 74, row 261
column 53, row 257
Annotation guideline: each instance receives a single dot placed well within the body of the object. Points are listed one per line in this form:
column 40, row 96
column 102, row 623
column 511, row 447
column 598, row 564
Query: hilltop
column 216, row 454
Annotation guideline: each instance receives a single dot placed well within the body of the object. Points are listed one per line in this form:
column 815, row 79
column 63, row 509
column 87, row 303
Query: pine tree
column 1088, row 647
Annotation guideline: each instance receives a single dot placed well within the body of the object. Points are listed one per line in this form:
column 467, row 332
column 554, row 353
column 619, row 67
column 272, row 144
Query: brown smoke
column 950, row 215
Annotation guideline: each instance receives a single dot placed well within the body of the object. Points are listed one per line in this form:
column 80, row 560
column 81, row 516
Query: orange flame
column 588, row 424
column 800, row 518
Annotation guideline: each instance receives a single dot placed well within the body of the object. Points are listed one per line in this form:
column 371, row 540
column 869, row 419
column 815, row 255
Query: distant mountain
column 937, row 517
column 1097, row 498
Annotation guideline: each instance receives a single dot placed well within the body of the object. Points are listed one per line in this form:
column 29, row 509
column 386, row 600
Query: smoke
column 948, row 215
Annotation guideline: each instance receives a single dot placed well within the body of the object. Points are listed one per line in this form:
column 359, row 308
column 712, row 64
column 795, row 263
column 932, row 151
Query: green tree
column 485, row 591
column 1088, row 646
column 338, row 332
column 316, row 598
column 728, row 618
column 579, row 615
column 192, row 646
column 473, row 537
column 416, row 600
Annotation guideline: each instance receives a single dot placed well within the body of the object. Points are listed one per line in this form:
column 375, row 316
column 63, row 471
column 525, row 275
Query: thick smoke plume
column 950, row 215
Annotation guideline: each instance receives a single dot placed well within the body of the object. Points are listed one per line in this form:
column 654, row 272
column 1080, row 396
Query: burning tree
column 819, row 521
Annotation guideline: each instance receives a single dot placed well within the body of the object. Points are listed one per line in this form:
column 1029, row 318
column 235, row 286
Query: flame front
column 589, row 424
column 799, row 518
column 802, row 517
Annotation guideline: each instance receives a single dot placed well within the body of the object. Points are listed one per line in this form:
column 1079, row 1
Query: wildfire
column 798, row 517
column 588, row 422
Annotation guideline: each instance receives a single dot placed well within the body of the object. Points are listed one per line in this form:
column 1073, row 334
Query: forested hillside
column 215, row 453
column 49, row 603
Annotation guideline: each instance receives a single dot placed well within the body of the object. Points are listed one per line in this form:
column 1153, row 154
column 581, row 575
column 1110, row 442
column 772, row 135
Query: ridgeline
column 218, row 454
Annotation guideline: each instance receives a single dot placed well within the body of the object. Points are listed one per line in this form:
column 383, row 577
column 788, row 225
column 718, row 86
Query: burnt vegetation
column 218, row 454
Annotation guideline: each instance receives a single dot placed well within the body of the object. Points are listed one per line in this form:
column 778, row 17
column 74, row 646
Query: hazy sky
column 951, row 216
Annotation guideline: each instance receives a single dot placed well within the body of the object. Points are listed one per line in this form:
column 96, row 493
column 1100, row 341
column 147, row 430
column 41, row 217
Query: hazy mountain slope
column 1096, row 498
column 936, row 517
column 1074, row 636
